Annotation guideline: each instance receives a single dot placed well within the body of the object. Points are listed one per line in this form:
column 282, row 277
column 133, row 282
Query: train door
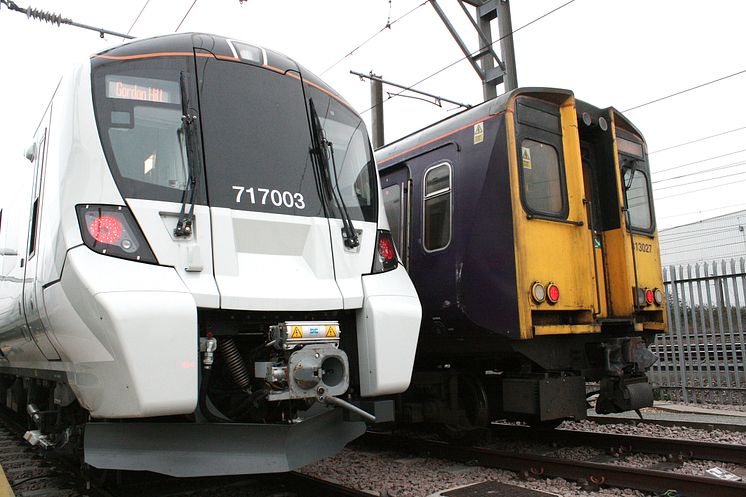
column 554, row 248
column 602, row 209
column 32, row 295
column 634, row 269
column 396, row 186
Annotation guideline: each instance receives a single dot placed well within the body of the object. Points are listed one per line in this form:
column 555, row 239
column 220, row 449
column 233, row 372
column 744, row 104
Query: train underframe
column 541, row 381
column 265, row 404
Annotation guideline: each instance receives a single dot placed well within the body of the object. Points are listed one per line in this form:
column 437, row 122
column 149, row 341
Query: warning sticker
column 478, row 133
column 296, row 332
column 526, row 157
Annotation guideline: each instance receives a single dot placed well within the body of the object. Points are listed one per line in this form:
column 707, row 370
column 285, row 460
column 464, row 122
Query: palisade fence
column 702, row 352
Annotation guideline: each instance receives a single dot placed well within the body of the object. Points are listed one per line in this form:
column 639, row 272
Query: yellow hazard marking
column 5, row 490
column 478, row 133
column 297, row 332
column 526, row 155
column 331, row 331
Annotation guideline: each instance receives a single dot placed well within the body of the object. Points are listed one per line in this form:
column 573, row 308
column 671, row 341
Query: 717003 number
column 265, row 196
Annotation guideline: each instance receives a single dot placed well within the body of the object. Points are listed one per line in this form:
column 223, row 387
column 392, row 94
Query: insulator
column 235, row 363
column 45, row 16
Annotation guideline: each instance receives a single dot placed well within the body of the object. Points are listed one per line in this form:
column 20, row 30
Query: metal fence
column 702, row 351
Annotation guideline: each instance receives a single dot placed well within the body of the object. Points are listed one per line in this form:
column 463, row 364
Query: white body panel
column 387, row 329
column 190, row 256
column 131, row 344
column 273, row 261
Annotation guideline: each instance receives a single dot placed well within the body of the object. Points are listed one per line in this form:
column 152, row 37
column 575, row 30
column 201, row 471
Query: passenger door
column 32, row 291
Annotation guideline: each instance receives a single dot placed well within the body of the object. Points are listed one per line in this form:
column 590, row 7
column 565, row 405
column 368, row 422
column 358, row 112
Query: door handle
column 7, row 251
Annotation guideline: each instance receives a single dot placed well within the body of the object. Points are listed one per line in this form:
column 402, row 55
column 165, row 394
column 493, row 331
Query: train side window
column 437, row 207
column 541, row 178
column 393, row 207
column 638, row 200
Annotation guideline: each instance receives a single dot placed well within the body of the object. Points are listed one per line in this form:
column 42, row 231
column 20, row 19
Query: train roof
column 480, row 112
column 184, row 44
column 463, row 119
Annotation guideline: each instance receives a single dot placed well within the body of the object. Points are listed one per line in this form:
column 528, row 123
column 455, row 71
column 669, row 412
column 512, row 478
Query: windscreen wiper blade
column 186, row 133
column 324, row 149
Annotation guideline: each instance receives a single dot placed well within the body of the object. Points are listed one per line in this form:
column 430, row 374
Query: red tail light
column 385, row 258
column 553, row 293
column 649, row 296
column 386, row 249
column 112, row 230
column 106, row 229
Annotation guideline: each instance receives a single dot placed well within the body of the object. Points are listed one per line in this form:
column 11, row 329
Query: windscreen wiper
column 186, row 133
column 324, row 149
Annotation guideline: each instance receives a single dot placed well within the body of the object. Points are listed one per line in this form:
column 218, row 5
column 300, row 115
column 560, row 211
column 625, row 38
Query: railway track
column 699, row 425
column 590, row 474
column 32, row 473
column 672, row 449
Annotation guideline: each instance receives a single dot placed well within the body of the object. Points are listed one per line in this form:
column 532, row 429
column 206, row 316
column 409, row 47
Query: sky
column 619, row 53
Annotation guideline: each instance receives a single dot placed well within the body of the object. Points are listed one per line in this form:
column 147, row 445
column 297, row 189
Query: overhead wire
column 668, row 187
column 185, row 16
column 686, row 90
column 696, row 140
column 393, row 95
column 699, row 161
column 138, row 16
column 698, row 190
column 695, row 173
column 388, row 25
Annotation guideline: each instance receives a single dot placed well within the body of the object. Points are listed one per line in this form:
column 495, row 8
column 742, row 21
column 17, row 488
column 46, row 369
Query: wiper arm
column 186, row 133
column 324, row 148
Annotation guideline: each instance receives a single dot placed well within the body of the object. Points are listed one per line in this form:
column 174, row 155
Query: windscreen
column 254, row 131
column 257, row 143
column 138, row 111
column 636, row 184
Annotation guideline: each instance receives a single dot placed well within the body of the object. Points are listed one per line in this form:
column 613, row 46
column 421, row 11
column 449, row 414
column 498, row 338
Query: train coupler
column 619, row 394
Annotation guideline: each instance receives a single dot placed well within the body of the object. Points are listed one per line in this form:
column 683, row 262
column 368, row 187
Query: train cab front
column 587, row 262
column 253, row 185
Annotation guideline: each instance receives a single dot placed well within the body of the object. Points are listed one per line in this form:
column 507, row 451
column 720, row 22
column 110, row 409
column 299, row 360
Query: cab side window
column 437, row 207
column 540, row 159
column 393, row 207
column 542, row 183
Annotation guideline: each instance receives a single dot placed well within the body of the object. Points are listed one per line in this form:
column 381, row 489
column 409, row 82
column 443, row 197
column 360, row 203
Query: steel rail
column 672, row 448
column 596, row 473
column 700, row 425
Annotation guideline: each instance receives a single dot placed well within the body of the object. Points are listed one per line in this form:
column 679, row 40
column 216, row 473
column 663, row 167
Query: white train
column 197, row 272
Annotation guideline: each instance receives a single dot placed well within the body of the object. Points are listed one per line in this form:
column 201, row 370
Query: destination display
column 142, row 89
